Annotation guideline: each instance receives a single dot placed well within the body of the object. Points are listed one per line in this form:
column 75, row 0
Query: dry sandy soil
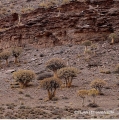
column 30, row 102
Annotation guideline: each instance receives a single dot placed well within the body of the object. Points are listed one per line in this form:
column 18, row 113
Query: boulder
column 44, row 75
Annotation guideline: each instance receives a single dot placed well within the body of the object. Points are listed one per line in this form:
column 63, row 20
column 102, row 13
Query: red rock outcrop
column 75, row 22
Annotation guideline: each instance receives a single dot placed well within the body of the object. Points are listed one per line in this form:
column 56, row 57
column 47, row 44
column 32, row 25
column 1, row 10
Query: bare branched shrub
column 93, row 92
column 68, row 74
column 24, row 77
column 82, row 94
column 86, row 43
column 55, row 64
column 5, row 55
column 98, row 85
column 51, row 84
column 16, row 51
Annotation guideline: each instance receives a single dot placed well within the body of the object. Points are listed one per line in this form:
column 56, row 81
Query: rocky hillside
column 68, row 24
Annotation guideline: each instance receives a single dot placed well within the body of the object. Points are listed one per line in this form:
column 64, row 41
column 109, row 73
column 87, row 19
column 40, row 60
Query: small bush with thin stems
column 16, row 51
column 116, row 69
column 82, row 93
column 93, row 92
column 24, row 77
column 55, row 64
column 86, row 43
column 68, row 74
column 98, row 85
column 113, row 37
column 5, row 55
column 51, row 84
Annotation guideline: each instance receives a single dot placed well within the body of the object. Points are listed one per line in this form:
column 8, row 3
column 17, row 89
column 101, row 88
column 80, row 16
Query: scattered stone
column 41, row 55
column 44, row 75
column 92, row 105
column 40, row 98
column 10, row 71
column 54, row 99
column 33, row 59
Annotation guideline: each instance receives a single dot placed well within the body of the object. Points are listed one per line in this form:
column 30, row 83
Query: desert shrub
column 16, row 51
column 114, row 36
column 86, row 43
column 47, row 4
column 116, row 69
column 65, row 1
column 98, row 85
column 93, row 92
column 68, row 74
column 24, row 77
column 82, row 94
column 5, row 55
column 55, row 64
column 106, row 71
column 51, row 84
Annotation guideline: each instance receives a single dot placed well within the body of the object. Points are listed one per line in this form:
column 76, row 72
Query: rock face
column 76, row 21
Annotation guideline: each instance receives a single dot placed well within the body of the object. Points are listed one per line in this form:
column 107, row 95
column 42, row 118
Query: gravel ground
column 30, row 102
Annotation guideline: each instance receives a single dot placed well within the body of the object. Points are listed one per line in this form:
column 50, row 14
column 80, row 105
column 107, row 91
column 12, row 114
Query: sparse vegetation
column 98, row 85
column 106, row 71
column 5, row 55
column 93, row 92
column 55, row 64
column 82, row 94
column 86, row 43
column 65, row 1
column 45, row 4
column 24, row 77
column 42, row 28
column 16, row 51
column 68, row 74
column 116, row 69
column 51, row 84
column 113, row 37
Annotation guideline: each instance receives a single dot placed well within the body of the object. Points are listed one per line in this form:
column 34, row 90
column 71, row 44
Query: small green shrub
column 82, row 94
column 114, row 36
column 68, row 74
column 16, row 51
column 5, row 55
column 98, row 85
column 55, row 64
column 86, row 43
column 50, row 84
column 93, row 92
column 24, row 77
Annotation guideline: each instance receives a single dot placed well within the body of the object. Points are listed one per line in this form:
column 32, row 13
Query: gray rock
column 10, row 71
column 33, row 59
column 44, row 75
